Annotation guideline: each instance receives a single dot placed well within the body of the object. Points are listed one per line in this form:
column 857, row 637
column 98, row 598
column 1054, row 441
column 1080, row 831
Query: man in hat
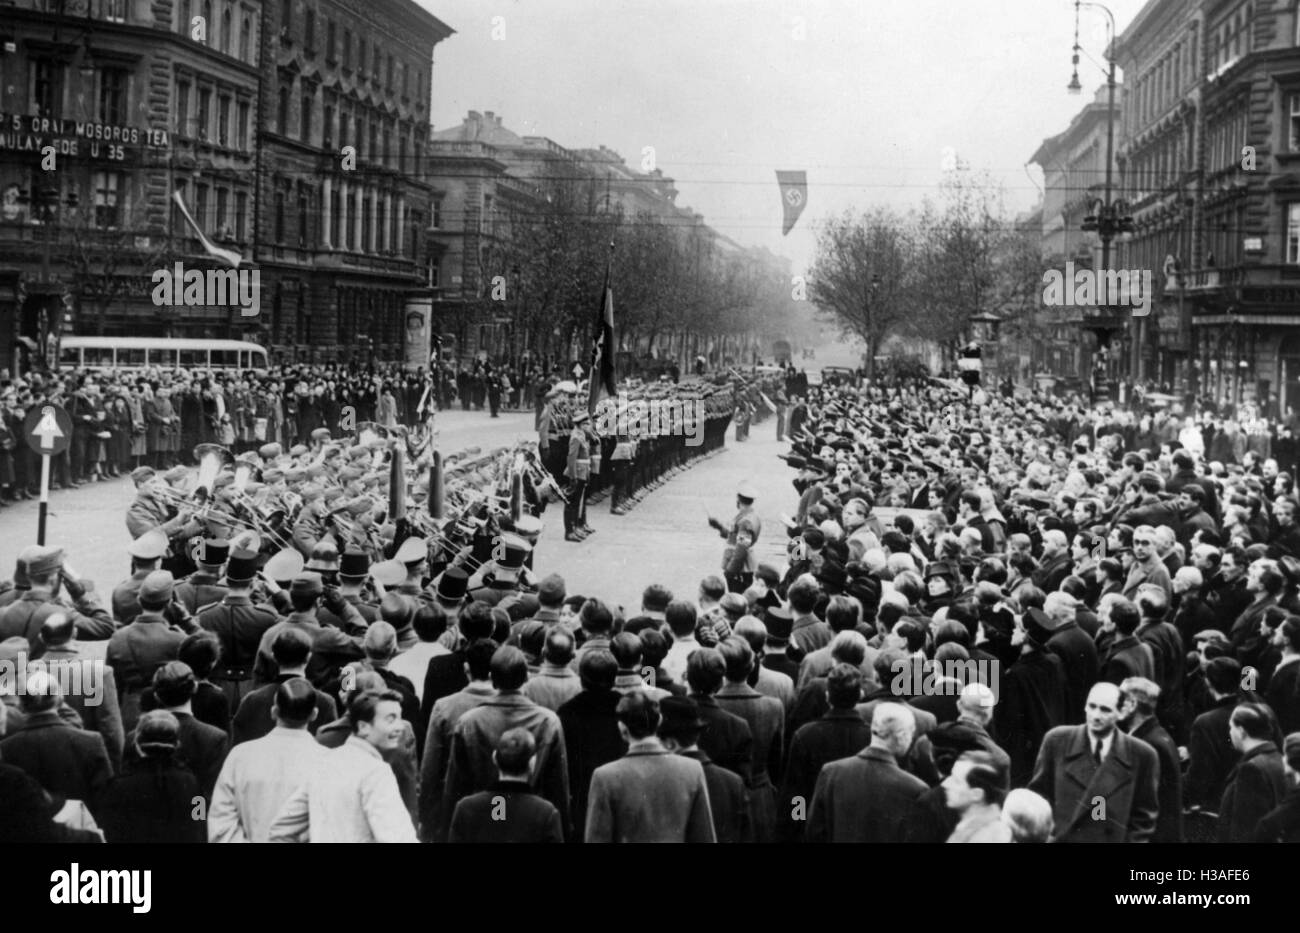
column 354, row 570
column 46, row 573
column 680, row 727
column 650, row 794
column 779, row 623
column 578, row 471
column 147, row 552
column 745, row 514
column 324, row 560
column 330, row 646
column 499, row 579
column 238, row 624
column 204, row 586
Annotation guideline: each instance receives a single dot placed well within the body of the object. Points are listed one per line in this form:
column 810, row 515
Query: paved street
column 663, row 539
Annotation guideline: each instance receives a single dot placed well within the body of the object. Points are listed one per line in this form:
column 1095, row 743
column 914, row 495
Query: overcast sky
column 726, row 93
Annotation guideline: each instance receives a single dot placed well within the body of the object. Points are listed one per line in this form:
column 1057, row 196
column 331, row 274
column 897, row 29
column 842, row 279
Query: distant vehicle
column 137, row 353
column 839, row 375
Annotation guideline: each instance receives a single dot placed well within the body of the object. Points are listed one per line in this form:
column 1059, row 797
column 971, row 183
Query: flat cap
column 41, row 559
column 308, row 582
column 157, row 587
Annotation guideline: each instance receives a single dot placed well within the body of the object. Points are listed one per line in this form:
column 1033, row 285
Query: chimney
column 474, row 117
column 491, row 117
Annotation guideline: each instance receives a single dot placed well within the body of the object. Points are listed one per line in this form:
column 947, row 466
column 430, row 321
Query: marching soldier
column 239, row 625
column 204, row 586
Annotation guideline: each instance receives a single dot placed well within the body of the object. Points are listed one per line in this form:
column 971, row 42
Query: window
column 47, row 87
column 406, row 80
column 201, row 206
column 279, row 216
column 183, row 108
column 112, row 95
column 303, row 207
column 183, row 20
column 1293, row 233
column 306, row 117
column 241, row 126
column 365, row 244
column 388, row 147
column 343, row 127
column 326, row 130
column 309, row 32
column 347, row 49
column 246, row 40
column 223, row 121
column 282, row 118
column 113, row 10
column 205, row 111
column 335, row 205
column 241, row 215
column 329, row 40
column 372, row 152
column 286, row 17
column 226, row 27
column 209, row 24
column 1293, row 123
column 389, row 83
column 345, row 241
column 361, row 55
column 437, row 213
column 381, row 225
column 223, row 221
column 106, row 191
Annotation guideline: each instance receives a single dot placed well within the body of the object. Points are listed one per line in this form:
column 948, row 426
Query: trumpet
column 213, row 458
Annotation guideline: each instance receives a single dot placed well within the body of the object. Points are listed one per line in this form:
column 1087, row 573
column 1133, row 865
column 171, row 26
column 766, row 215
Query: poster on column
column 419, row 314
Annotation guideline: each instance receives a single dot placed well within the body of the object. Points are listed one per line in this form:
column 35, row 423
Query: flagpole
column 599, row 354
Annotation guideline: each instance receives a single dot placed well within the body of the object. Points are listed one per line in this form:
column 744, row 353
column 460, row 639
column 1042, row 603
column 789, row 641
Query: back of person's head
column 626, row 649
column 654, row 647
column 475, row 621
column 596, row 617
column 738, row 658
column 638, row 711
column 705, row 670
column 910, row 585
column 1254, row 719
column 987, row 775
column 478, row 658
column 953, row 632
column 597, row 670
column 41, row 693
column 843, row 613
column 559, row 647
column 656, row 598
column 713, row 588
column 1027, row 815
column 1223, row 675
column 849, row 648
column 681, row 618
column 58, row 629
column 201, row 651
column 509, row 668
column 844, row 686
column 515, row 749
column 291, row 647
column 174, row 684
column 1152, row 602
column 753, row 631
column 1125, row 615
column 295, row 702
column 1030, row 597
column 429, row 622
column 803, row 596
column 358, row 683
column 914, row 634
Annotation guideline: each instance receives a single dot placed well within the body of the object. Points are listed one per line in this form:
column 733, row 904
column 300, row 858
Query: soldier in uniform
column 239, row 625
column 204, row 586
column 747, row 516
column 310, row 524
column 354, row 570
column 45, row 572
column 499, row 577
column 578, row 472
column 413, row 556
column 147, row 552
column 331, row 647
column 137, row 650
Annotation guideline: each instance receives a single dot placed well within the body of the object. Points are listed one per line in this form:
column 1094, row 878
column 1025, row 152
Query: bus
column 138, row 353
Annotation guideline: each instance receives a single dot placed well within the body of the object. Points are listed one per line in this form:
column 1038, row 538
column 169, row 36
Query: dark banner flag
column 603, row 379
column 794, row 195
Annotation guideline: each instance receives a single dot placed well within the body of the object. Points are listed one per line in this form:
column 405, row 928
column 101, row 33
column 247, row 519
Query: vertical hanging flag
column 794, row 195
column 228, row 256
column 603, row 379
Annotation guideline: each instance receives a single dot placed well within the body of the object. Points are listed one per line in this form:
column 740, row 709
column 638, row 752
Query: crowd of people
column 1010, row 621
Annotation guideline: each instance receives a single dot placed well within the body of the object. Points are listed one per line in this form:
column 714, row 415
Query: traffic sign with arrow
column 48, row 430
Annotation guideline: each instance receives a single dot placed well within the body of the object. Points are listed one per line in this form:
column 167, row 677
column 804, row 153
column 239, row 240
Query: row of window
column 1162, row 83
column 1224, row 135
column 105, row 195
column 370, row 231
column 47, row 89
column 227, row 124
column 232, row 31
column 350, row 123
column 384, row 69
column 219, row 209
column 1159, row 165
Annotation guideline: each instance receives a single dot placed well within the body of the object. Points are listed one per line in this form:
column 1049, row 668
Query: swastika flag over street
column 794, row 195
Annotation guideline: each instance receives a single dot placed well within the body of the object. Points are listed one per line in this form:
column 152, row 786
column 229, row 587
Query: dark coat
column 840, row 733
column 1127, row 657
column 727, row 738
column 1169, row 792
column 1246, row 640
column 1032, row 702
column 766, row 718
column 1283, row 695
column 1066, row 775
column 445, row 676
column 1048, row 577
column 509, row 811
column 202, row 748
column 253, row 718
column 728, row 800
column 866, row 798
column 61, row 758
column 1282, row 823
column 591, row 739
column 1195, row 615
column 1211, row 755
column 152, row 802
column 1078, row 654
column 1257, row 784
column 1170, row 659
column 649, row 795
